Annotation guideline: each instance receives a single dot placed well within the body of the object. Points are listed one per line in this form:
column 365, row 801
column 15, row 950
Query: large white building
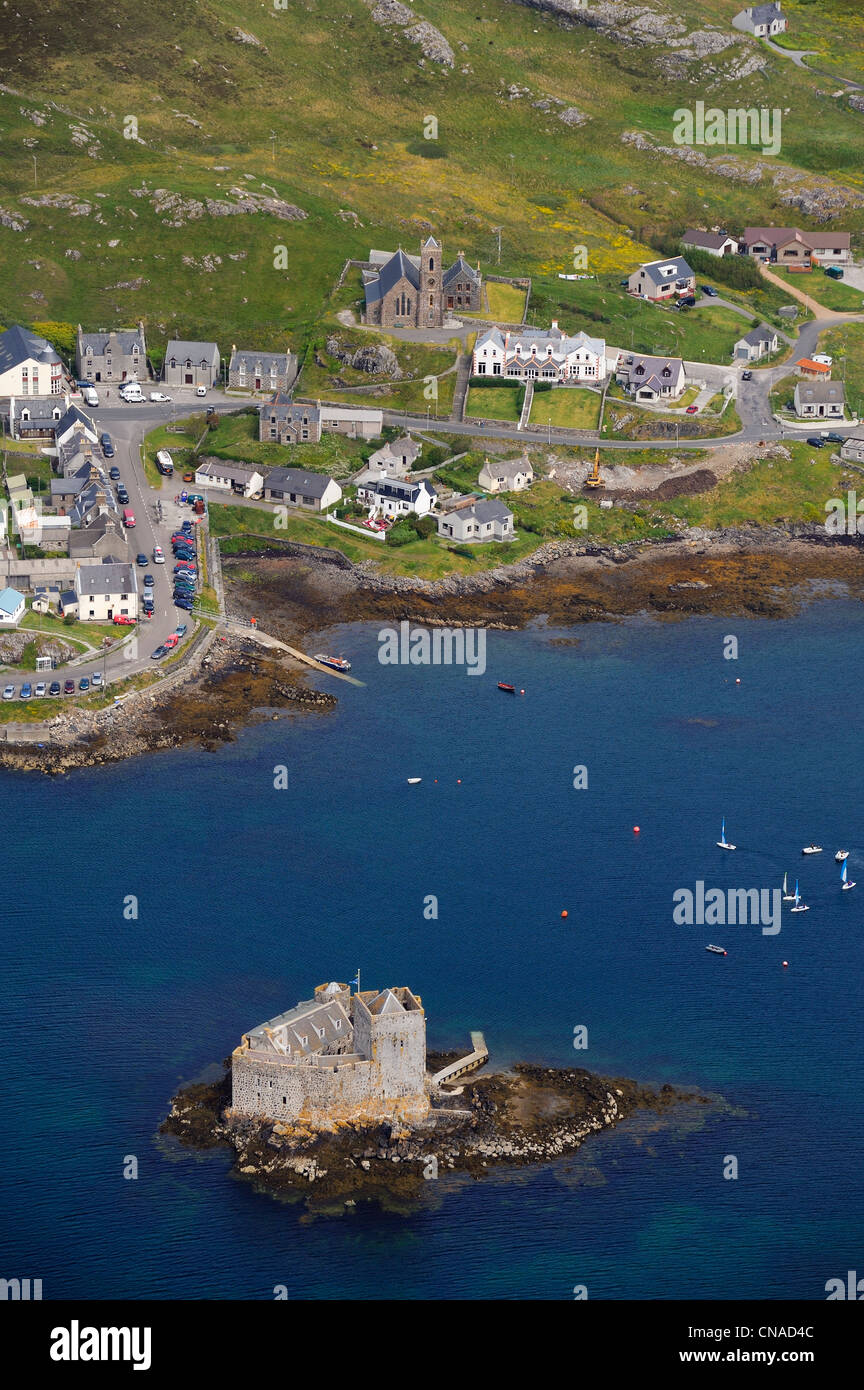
column 106, row 591
column 532, row 355
column 29, row 365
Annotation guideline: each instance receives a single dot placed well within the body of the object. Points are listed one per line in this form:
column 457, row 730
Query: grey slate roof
column 762, row 334
column 490, row 511
column 108, row 578
column 390, row 274
column 18, row 344
column 712, row 241
column 197, row 352
column 681, row 270
column 250, row 360
column 820, row 392
column 98, row 343
column 215, row 468
column 763, row 14
column 460, row 269
column 296, row 480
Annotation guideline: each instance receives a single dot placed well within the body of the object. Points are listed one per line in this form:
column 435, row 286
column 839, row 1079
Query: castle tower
column 431, row 306
column 390, row 1029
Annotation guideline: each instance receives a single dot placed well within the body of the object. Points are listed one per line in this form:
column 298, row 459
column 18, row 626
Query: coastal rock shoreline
column 526, row 1115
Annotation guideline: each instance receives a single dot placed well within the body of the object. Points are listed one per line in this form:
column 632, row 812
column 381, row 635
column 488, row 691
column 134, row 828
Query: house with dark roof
column 822, row 400
column 761, row 20
column 288, row 423
column 853, row 446
column 656, row 280
column 243, row 479
column 486, row 520
column 712, row 243
column 105, row 590
column 405, row 291
column 117, row 354
column 759, row 342
column 296, row 488
column 55, row 421
column 651, row 378
column 191, row 364
column 252, row 370
column 30, row 365
column 506, row 475
column 397, row 455
column 394, row 497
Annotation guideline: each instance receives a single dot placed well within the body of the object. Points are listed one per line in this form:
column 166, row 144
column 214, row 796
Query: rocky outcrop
column 176, row 209
column 392, row 14
column 13, row 221
column 376, row 359
column 76, row 207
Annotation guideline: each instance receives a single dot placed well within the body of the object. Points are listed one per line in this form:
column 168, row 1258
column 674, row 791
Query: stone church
column 405, row 291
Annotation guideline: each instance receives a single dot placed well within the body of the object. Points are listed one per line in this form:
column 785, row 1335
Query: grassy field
column 493, row 403
column 506, row 303
column 179, row 441
column 846, row 346
column 236, row 437
column 205, row 107
column 831, row 294
column 567, row 407
column 773, row 490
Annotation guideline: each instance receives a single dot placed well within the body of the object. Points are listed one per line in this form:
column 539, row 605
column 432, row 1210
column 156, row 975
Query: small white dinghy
column 841, row 855
column 812, row 849
column 844, row 881
column 723, row 843
column 799, row 906
column 412, row 781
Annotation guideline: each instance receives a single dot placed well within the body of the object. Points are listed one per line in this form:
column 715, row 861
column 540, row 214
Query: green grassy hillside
column 327, row 112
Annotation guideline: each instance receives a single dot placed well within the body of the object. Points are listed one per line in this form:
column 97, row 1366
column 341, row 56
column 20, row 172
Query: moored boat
column 841, row 855
column 511, row 689
column 336, row 663
column 812, row 849
column 716, row 950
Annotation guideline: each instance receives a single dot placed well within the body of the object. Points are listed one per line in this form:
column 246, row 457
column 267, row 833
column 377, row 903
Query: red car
column 68, row 687
column 122, row 621
column 171, row 641
column 692, row 410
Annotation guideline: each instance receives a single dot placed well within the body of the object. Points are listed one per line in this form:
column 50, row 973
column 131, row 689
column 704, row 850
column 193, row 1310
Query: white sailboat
column 844, row 881
column 723, row 843
column 787, row 896
column 841, row 855
column 799, row 906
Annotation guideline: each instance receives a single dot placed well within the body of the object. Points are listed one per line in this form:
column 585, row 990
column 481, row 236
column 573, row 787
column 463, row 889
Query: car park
column 114, row 473
column 141, row 559
column 158, row 555
column 26, row 690
column 69, row 687
column 160, row 397
column 9, row 692
column 815, row 442
column 692, row 410
column 84, row 683
column 158, row 653
column 149, row 581
column 39, row 692
column 54, row 688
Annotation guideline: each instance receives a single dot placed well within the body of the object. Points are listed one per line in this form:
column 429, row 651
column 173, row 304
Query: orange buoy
column 635, row 830
column 564, row 913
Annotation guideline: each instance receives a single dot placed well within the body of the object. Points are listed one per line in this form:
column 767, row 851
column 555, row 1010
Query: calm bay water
column 249, row 896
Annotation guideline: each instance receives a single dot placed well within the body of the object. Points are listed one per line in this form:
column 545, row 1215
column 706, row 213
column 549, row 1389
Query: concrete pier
column 471, row 1062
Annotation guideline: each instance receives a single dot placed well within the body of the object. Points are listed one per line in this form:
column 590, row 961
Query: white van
column 132, row 393
column 91, row 395
column 165, row 463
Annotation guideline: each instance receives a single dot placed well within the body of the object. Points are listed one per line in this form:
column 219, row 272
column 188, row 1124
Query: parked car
column 201, row 391
column 83, row 384
column 26, row 690
column 710, row 291
column 149, row 581
column 184, row 552
column 188, row 477
column 815, row 441
column 91, row 396
column 107, row 446
column 122, row 496
column 160, row 397
column 39, row 692
column 122, row 621
column 114, row 473
column 141, row 559
column 158, row 555
column 832, row 438
column 746, row 376
column 180, row 630
column 184, row 603
column 84, row 683
column 69, row 687
column 186, row 590
column 8, row 692
column 96, row 678
column 158, row 653
column 692, row 410
column 54, row 688
column 194, row 497
column 171, row 642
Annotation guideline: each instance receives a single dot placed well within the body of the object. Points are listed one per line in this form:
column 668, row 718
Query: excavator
column 594, row 479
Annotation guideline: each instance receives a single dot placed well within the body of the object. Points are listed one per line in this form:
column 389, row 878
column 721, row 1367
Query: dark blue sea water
column 250, row 896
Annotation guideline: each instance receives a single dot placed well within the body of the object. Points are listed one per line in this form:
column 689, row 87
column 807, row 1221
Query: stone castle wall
column 347, row 1090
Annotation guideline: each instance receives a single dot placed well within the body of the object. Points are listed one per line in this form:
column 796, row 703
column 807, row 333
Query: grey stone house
column 481, row 521
column 191, row 364
column 405, row 291
column 251, row 370
column 117, row 355
column 822, row 400
column 286, row 423
column 853, row 447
